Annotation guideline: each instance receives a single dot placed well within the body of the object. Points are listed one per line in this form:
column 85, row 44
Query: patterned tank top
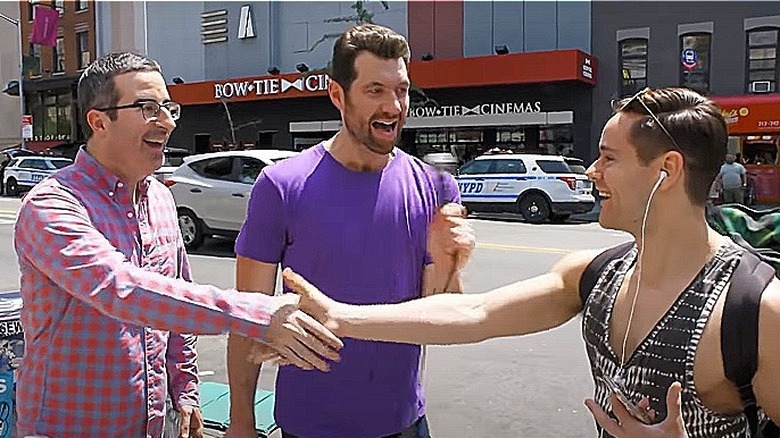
column 666, row 354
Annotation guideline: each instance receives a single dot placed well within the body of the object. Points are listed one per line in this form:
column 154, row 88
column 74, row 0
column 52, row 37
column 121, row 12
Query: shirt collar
column 102, row 178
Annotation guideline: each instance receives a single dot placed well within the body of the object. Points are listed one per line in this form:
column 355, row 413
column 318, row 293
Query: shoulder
column 572, row 266
column 295, row 168
column 769, row 311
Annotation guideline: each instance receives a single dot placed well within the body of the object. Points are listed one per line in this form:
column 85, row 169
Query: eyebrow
column 605, row 148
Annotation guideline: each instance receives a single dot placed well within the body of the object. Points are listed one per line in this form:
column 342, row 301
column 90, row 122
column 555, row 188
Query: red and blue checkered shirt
column 97, row 272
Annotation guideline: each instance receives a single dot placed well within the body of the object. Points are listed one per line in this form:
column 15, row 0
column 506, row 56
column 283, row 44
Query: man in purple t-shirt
column 352, row 214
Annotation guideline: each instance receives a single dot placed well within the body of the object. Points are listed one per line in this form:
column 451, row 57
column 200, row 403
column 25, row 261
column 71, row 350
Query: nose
column 165, row 119
column 592, row 173
column 393, row 105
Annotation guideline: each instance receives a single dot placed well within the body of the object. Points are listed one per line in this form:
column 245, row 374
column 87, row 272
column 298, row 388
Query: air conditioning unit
column 760, row 87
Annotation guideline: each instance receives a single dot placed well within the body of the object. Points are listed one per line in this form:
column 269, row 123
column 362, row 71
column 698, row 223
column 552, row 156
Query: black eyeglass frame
column 142, row 103
column 650, row 112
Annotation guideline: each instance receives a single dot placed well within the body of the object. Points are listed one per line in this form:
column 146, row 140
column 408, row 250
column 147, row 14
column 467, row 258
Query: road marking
column 536, row 249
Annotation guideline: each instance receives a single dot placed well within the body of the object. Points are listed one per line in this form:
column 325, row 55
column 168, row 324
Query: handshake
column 305, row 327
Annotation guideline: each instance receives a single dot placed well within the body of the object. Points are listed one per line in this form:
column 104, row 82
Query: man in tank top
column 654, row 332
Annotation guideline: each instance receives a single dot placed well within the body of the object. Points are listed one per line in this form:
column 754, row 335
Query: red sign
column 751, row 114
column 45, row 26
column 27, row 120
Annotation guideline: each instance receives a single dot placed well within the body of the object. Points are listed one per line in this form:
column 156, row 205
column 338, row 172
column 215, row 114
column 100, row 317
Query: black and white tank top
column 666, row 355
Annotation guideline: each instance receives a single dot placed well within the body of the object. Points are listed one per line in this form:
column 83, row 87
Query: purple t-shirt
column 360, row 237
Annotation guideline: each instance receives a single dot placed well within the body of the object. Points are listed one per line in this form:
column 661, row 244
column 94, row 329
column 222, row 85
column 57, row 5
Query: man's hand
column 298, row 338
column 190, row 422
column 311, row 301
column 627, row 426
column 450, row 237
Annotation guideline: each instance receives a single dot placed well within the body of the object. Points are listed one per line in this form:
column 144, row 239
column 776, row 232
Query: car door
column 246, row 171
column 507, row 180
column 208, row 194
column 471, row 181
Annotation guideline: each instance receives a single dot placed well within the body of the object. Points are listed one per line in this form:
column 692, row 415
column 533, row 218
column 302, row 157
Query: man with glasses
column 652, row 315
column 107, row 286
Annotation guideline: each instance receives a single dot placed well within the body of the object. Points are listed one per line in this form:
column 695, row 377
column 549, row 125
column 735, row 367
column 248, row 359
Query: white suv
column 23, row 173
column 539, row 187
column 212, row 191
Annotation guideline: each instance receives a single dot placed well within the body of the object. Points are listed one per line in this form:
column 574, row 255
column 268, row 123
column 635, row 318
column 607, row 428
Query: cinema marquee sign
column 271, row 86
column 484, row 109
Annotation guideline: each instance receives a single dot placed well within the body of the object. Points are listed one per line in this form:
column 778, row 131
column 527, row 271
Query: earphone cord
column 638, row 278
column 639, row 271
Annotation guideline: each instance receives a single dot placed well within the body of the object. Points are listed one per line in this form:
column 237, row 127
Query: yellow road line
column 520, row 248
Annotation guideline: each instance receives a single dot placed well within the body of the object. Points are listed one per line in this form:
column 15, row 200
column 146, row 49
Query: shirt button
column 111, row 194
column 120, row 185
column 130, row 214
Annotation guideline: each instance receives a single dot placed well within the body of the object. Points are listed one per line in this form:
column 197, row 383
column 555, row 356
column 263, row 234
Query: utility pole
column 18, row 25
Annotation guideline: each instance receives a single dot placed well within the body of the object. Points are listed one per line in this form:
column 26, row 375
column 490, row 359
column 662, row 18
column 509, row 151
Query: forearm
column 525, row 307
column 445, row 318
column 182, row 365
column 242, row 379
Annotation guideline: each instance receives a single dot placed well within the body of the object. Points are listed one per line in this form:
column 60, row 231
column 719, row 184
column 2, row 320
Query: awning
column 751, row 114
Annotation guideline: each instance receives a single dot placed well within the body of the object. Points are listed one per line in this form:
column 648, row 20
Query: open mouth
column 157, row 144
column 604, row 195
column 384, row 127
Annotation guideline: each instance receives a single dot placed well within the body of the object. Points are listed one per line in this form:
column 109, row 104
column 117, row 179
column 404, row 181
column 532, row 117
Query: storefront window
column 556, row 140
column 633, row 65
column 762, row 71
column 695, row 62
column 760, row 149
column 52, row 117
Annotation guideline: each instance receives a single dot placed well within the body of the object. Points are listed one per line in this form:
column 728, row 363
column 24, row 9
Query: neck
column 102, row 156
column 677, row 240
column 355, row 156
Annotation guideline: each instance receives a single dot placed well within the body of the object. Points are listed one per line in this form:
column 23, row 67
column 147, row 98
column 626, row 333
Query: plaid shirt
column 96, row 273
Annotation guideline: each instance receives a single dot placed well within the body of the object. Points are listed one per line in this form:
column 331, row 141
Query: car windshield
column 553, row 166
column 59, row 164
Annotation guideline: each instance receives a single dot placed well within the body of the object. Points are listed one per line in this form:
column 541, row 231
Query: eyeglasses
column 638, row 98
column 150, row 109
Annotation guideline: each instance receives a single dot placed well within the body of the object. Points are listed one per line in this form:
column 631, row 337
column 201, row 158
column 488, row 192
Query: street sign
column 27, row 126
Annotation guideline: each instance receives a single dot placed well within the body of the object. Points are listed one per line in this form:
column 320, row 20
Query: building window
column 762, row 69
column 31, row 9
column 81, row 5
column 58, row 56
column 82, row 47
column 695, row 61
column 59, row 5
column 52, row 116
column 633, row 65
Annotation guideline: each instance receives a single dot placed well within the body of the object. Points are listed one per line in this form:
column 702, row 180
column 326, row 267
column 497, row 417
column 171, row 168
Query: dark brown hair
column 694, row 122
column 96, row 87
column 378, row 40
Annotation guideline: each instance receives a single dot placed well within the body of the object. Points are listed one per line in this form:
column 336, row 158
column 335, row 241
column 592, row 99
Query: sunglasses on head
column 638, row 97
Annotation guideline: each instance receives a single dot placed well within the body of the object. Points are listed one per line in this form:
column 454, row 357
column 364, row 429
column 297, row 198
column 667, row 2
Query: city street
column 523, row 387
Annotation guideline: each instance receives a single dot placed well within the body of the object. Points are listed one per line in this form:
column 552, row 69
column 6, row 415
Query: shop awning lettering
column 485, row 109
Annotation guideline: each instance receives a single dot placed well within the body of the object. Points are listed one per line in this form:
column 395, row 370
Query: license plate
column 37, row 178
column 583, row 184
column 10, row 328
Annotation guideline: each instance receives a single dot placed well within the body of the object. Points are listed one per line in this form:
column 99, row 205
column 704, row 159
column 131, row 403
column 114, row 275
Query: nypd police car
column 539, row 187
column 22, row 173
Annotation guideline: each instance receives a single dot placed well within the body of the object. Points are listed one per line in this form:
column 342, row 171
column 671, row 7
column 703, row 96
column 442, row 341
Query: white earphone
column 664, row 174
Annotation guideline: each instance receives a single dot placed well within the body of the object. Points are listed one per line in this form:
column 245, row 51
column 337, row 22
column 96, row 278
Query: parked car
column 174, row 157
column 212, row 190
column 539, row 187
column 24, row 172
column 5, row 157
column 576, row 165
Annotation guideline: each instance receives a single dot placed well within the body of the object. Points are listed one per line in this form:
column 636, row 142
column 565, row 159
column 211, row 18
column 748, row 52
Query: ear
column 95, row 120
column 337, row 95
column 674, row 165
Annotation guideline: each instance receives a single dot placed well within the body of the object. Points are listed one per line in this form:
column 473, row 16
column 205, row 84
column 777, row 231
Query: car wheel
column 191, row 229
column 12, row 188
column 534, row 208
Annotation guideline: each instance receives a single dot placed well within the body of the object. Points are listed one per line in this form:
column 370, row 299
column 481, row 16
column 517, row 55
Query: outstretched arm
column 527, row 306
